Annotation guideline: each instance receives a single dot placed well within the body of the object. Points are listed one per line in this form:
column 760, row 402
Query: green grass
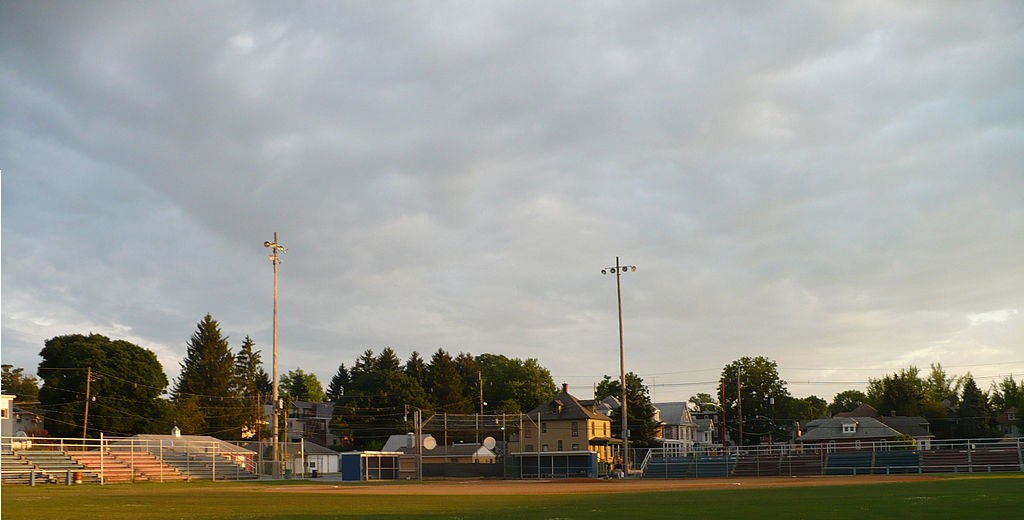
column 953, row 498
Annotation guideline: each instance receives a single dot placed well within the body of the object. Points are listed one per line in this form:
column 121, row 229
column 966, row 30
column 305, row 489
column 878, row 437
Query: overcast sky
column 838, row 186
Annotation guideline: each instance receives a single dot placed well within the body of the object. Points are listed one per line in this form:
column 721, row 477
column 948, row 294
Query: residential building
column 677, row 429
column 564, row 424
column 1008, row 423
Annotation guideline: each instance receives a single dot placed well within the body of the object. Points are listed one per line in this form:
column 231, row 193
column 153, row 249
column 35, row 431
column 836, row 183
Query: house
column 1008, row 423
column 313, row 457
column 677, row 430
column 6, row 415
column 847, row 432
column 564, row 424
column 916, row 427
column 307, row 420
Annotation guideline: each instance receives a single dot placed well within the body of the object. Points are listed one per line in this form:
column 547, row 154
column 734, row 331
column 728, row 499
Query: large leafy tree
column 124, row 392
column 640, row 410
column 846, row 401
column 301, row 386
column 208, row 375
column 15, row 382
column 513, row 385
column 756, row 380
column 972, row 415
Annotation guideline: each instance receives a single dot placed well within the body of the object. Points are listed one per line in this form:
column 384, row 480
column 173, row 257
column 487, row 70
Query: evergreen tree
column 972, row 416
column 640, row 410
column 445, row 384
column 248, row 374
column 208, row 374
column 339, row 383
column 416, row 368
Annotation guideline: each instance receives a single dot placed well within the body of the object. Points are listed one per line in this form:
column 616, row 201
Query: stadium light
column 276, row 249
column 617, row 271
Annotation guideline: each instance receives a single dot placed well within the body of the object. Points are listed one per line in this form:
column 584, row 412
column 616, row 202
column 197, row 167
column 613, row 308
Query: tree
column 208, row 373
column 749, row 385
column 300, row 386
column 416, row 368
column 249, row 375
column 846, row 401
column 375, row 404
column 608, row 387
column 340, row 381
column 470, row 373
column 902, row 393
column 972, row 416
column 22, row 387
column 703, row 401
column 640, row 411
column 513, row 385
column 445, row 384
column 124, row 392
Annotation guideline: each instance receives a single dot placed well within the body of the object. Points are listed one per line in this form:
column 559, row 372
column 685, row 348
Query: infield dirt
column 586, row 486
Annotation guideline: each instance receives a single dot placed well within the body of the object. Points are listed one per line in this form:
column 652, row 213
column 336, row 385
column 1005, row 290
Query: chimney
column 565, row 388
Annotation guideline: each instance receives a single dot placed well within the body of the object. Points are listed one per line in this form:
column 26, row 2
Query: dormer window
column 850, row 427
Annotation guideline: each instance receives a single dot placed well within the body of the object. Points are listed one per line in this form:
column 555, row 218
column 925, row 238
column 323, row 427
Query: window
column 528, row 432
column 850, row 428
column 529, row 447
column 575, row 427
column 592, row 428
column 544, row 427
column 544, row 447
column 1011, row 416
column 575, row 447
column 4, row 413
column 560, row 445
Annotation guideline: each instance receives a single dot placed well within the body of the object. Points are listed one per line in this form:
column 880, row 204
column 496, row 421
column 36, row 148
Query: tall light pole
column 276, row 250
column 617, row 271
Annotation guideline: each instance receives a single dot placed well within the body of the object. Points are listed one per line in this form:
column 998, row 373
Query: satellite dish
column 489, row 442
column 429, row 442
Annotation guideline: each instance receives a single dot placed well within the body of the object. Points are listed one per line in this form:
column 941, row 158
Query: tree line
column 755, row 400
column 92, row 384
column 223, row 393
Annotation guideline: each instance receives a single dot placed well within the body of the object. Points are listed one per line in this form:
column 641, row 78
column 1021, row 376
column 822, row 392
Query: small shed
column 369, row 465
column 313, row 457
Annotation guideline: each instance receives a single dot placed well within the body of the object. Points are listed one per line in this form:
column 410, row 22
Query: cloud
column 834, row 186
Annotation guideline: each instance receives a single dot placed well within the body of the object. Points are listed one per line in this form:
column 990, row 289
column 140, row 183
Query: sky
column 837, row 186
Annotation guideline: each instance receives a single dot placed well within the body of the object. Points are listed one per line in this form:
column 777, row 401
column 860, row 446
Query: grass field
column 953, row 498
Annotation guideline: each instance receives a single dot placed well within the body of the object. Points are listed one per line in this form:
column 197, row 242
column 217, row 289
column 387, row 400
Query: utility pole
column 88, row 382
column 276, row 250
column 739, row 402
column 723, row 413
column 617, row 271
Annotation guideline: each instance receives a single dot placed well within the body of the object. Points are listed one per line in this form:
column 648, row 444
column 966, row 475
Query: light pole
column 617, row 271
column 276, row 250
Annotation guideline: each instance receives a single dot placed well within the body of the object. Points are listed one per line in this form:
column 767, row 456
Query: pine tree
column 340, row 382
column 208, row 374
column 972, row 416
column 248, row 374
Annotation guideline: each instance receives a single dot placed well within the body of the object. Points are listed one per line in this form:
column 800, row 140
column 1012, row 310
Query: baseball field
column 791, row 498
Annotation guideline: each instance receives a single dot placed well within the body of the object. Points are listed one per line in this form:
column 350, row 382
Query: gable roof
column 912, row 426
column 675, row 413
column 832, row 429
column 565, row 407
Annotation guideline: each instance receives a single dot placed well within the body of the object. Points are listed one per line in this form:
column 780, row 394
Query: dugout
column 369, row 465
column 553, row 464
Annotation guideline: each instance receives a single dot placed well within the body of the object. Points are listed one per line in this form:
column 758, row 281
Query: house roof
column 912, row 426
column 832, row 429
column 565, row 407
column 675, row 413
column 312, row 448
